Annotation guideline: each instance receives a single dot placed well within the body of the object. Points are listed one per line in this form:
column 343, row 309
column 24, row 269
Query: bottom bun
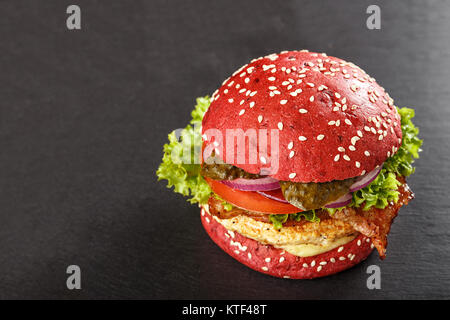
column 279, row 263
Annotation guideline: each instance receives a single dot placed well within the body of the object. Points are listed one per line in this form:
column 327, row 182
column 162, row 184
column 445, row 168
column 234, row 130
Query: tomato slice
column 250, row 200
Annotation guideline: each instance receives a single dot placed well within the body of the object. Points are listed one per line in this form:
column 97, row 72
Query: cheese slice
column 308, row 250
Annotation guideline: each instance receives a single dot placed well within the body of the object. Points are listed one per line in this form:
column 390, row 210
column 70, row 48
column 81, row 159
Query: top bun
column 334, row 121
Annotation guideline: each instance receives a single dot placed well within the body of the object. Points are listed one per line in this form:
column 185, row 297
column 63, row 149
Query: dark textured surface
column 84, row 115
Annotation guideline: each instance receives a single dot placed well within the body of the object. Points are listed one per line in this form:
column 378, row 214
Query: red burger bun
column 279, row 263
column 334, row 121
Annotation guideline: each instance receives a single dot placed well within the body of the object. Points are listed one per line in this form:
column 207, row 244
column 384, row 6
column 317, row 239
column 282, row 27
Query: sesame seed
column 340, row 249
column 305, row 265
column 236, row 251
column 342, row 258
column 332, row 260
column 332, row 122
column 357, row 164
column 358, row 243
column 346, row 157
column 302, row 138
column 265, row 268
column 348, row 122
column 320, row 137
column 281, row 259
column 309, row 84
column 366, row 153
column 267, row 259
column 260, row 117
column 249, row 255
column 336, row 158
column 351, row 148
column 280, row 125
column 292, row 175
column 322, row 263
column 313, row 263
column 341, row 149
column 252, row 104
column 253, row 93
column 271, row 78
column 291, row 154
column 290, row 145
column 247, row 80
column 319, row 268
column 302, row 110
column 241, row 112
column 263, row 160
column 283, row 101
column 311, row 98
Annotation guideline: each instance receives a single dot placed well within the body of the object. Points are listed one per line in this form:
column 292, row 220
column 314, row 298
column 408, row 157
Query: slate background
column 84, row 115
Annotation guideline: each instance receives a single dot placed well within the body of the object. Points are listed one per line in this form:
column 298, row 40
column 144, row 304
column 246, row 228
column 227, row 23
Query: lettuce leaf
column 179, row 165
column 278, row 219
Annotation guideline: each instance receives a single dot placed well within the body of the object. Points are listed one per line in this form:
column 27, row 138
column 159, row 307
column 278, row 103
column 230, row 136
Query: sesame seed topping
column 366, row 153
column 320, row 137
column 280, row 125
column 336, row 158
column 267, row 259
column 247, row 80
column 346, row 157
column 283, row 101
column 290, row 145
column 302, row 110
column 271, row 78
column 230, row 100
column 291, row 154
column 302, row 138
column 341, row 149
column 313, row 263
column 281, row 259
column 263, row 160
column 357, row 164
column 348, row 122
column 311, row 98
column 260, row 117
column 252, row 104
column 265, row 268
column 292, row 175
column 241, row 112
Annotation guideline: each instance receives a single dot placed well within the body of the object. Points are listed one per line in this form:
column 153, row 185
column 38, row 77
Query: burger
column 298, row 163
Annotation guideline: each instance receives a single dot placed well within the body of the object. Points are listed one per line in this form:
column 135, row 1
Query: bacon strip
column 376, row 223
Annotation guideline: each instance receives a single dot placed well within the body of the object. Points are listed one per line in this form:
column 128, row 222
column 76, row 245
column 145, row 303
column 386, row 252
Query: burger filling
column 305, row 196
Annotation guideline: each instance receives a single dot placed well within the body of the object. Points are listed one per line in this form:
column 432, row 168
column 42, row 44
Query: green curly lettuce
column 278, row 219
column 179, row 165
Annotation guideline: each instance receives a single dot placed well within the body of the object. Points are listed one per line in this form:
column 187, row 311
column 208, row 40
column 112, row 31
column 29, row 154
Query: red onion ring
column 366, row 179
column 341, row 202
column 262, row 184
